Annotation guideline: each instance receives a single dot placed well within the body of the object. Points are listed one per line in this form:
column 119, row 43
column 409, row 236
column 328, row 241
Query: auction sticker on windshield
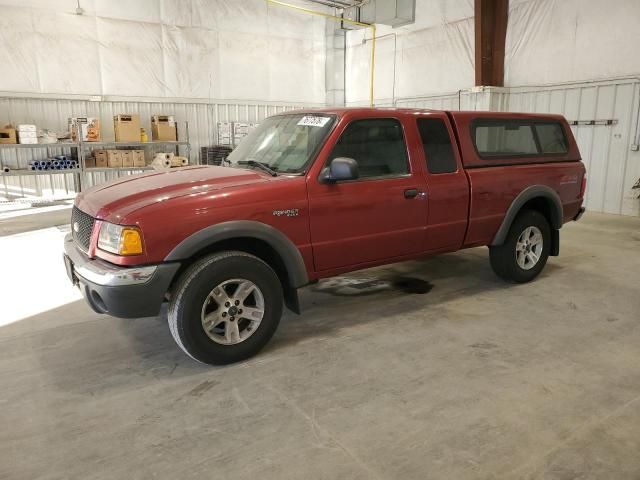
column 312, row 121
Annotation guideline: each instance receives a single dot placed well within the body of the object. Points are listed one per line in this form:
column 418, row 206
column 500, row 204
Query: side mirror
column 340, row 169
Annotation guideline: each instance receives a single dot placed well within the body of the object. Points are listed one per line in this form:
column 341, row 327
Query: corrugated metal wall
column 54, row 113
column 612, row 167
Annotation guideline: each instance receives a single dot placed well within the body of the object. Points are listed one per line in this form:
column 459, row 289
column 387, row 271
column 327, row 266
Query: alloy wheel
column 232, row 311
column 529, row 248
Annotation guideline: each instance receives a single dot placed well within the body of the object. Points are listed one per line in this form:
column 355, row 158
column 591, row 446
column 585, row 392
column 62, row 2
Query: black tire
column 192, row 291
column 503, row 257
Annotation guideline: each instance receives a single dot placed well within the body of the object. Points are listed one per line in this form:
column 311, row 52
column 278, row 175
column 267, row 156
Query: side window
column 552, row 139
column 377, row 145
column 437, row 145
column 505, row 138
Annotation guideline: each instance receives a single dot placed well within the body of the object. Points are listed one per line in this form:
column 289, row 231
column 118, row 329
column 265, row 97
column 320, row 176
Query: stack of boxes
column 116, row 159
column 87, row 129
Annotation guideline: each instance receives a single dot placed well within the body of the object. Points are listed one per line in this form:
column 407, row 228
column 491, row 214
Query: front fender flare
column 523, row 197
column 288, row 252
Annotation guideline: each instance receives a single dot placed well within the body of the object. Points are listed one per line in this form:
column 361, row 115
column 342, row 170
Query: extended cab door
column 447, row 184
column 380, row 215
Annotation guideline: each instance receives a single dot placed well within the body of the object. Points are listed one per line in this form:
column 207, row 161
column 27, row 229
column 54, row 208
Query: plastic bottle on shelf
column 144, row 138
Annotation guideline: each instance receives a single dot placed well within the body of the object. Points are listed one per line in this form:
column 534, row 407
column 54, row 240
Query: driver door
column 380, row 215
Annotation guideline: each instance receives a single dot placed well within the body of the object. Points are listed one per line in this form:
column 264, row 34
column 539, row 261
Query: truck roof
column 375, row 111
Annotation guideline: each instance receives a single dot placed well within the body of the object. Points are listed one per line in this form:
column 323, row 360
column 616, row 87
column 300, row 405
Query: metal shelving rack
column 49, row 148
column 81, row 149
column 85, row 146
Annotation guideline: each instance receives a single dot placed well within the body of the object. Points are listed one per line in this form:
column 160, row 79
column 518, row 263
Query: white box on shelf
column 22, row 134
column 26, row 128
column 27, row 140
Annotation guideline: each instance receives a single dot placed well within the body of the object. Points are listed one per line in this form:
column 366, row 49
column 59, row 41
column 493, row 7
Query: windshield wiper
column 262, row 166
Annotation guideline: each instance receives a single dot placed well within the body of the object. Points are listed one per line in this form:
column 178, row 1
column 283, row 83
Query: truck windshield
column 283, row 143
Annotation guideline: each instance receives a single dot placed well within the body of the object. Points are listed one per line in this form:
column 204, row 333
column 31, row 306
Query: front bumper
column 125, row 292
column 579, row 214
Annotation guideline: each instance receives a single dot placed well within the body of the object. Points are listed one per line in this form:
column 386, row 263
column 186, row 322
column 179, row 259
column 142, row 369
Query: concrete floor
column 473, row 379
column 24, row 217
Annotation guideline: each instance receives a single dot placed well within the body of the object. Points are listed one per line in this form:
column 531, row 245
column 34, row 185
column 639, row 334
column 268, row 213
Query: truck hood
column 115, row 200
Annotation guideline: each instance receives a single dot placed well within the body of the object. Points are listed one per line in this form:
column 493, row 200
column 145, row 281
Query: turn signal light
column 130, row 242
column 120, row 240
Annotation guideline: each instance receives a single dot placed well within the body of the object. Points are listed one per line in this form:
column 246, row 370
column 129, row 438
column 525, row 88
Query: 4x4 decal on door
column 291, row 212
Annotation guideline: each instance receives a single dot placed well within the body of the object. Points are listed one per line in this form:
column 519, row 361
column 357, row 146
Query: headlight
column 120, row 240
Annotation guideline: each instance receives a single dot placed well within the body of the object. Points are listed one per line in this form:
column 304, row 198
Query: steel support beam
column 490, row 33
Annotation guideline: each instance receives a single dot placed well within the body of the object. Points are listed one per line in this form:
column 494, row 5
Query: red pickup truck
column 313, row 194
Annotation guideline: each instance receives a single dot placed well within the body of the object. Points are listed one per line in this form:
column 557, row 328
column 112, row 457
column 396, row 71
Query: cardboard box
column 86, row 129
column 100, row 158
column 138, row 158
column 164, row 128
column 8, row 135
column 114, row 158
column 26, row 128
column 127, row 128
column 127, row 158
column 89, row 162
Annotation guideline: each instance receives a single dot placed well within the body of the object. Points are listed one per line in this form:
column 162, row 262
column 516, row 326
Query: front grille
column 82, row 227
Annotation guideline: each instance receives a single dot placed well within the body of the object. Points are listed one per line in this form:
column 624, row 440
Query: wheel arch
column 536, row 197
column 256, row 238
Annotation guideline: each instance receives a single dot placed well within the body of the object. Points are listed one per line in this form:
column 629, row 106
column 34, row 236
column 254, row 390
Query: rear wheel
column 526, row 249
column 225, row 308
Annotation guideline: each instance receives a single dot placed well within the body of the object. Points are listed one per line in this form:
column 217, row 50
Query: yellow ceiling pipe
column 353, row 22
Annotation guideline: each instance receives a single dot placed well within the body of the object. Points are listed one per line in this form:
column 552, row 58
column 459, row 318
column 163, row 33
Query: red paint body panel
column 490, row 203
column 345, row 226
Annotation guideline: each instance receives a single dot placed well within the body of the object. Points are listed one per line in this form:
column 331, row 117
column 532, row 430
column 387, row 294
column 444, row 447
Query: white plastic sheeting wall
column 548, row 42
column 198, row 49
column 556, row 41
column 49, row 113
column 432, row 56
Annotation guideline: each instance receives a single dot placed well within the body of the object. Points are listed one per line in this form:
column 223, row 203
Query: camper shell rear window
column 509, row 138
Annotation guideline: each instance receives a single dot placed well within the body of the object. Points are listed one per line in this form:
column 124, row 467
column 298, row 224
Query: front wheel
column 526, row 249
column 225, row 308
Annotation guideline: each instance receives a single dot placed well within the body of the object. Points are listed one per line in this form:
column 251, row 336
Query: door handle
column 411, row 193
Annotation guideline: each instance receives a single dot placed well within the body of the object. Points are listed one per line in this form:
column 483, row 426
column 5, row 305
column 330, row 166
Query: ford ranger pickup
column 313, row 194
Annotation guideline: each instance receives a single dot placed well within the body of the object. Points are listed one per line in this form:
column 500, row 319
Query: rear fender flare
column 523, row 197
